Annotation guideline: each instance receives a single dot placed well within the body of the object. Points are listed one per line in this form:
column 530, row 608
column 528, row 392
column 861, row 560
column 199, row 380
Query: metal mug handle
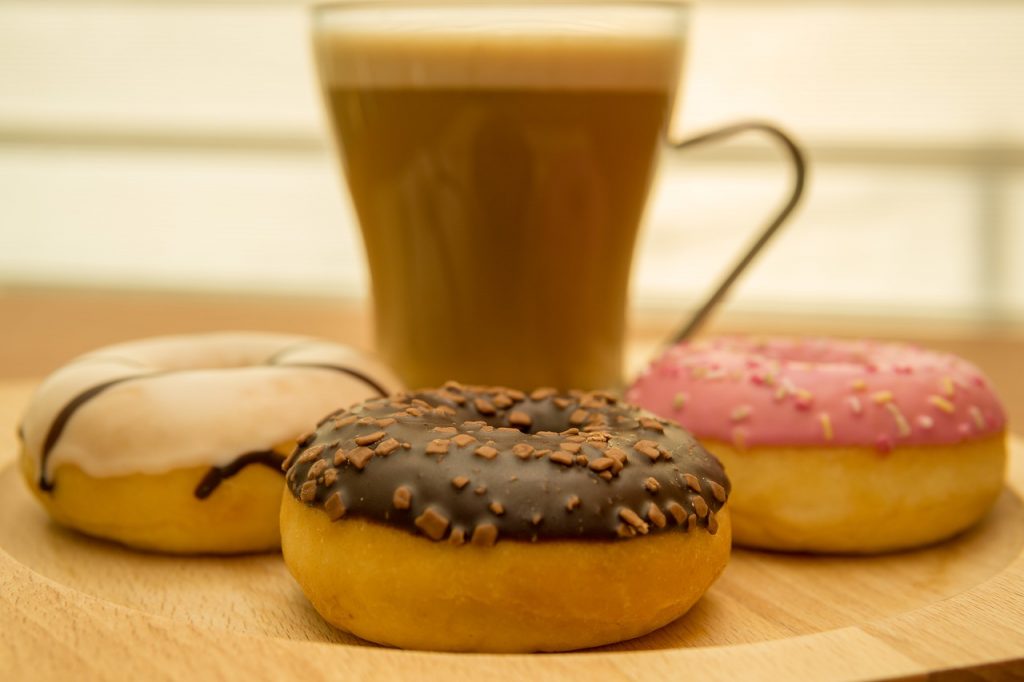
column 799, row 161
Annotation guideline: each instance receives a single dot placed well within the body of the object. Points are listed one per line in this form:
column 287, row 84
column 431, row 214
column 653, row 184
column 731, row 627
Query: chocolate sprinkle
column 311, row 453
column 344, row 421
column 656, row 516
column 359, row 457
column 522, row 450
column 438, row 446
column 485, row 535
column 486, row 451
column 700, row 506
column 463, row 439
column 652, row 424
column 677, row 512
column 503, row 401
column 387, row 447
column 318, row 468
column 432, row 524
column 542, row 393
column 334, row 507
column 633, row 519
column 562, row 457
column 598, row 482
column 370, row 438
column 519, row 418
column 649, row 448
column 402, row 499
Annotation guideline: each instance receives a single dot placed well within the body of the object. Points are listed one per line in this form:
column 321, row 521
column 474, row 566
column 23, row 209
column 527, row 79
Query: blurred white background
column 179, row 145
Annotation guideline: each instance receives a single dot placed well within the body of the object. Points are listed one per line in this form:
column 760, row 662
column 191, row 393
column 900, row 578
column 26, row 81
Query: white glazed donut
column 175, row 443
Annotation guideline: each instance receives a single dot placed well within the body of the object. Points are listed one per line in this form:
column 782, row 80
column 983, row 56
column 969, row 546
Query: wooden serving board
column 70, row 604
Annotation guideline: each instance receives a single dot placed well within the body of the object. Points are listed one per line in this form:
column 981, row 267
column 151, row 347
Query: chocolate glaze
column 344, row 370
column 525, row 498
column 61, row 420
column 216, row 475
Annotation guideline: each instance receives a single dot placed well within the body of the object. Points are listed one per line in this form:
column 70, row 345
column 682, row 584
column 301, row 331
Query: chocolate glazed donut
column 476, row 464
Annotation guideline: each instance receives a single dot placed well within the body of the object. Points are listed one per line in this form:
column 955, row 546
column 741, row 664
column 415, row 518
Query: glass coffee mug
column 499, row 158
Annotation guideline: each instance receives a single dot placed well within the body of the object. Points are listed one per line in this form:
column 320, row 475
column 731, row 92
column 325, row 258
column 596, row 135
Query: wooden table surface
column 69, row 603
column 72, row 604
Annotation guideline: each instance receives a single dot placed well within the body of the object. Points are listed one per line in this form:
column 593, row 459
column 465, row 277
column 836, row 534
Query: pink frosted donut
column 833, row 445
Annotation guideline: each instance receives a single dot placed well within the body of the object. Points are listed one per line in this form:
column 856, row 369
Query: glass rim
column 341, row 5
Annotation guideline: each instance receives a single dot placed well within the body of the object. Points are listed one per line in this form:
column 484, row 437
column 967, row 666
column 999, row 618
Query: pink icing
column 782, row 391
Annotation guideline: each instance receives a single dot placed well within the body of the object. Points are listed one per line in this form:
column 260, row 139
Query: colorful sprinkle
column 826, row 425
column 855, row 404
column 925, row 422
column 902, row 427
column 858, row 385
column 740, row 413
column 948, row 388
column 941, row 403
column 804, row 398
column 679, row 401
column 977, row 416
column 882, row 397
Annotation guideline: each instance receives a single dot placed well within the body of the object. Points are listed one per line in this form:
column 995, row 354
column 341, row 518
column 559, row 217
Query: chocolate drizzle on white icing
column 216, row 474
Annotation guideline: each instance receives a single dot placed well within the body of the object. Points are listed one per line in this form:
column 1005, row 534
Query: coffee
column 499, row 181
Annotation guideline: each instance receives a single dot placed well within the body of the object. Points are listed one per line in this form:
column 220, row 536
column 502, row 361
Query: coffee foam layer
column 544, row 48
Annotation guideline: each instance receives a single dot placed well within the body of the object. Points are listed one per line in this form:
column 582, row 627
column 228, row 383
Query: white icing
column 231, row 403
